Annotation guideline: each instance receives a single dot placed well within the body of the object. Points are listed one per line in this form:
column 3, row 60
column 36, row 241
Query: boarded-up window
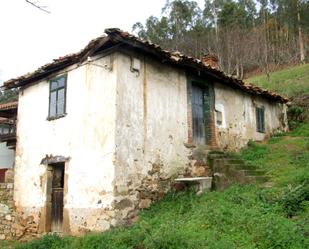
column 57, row 96
column 260, row 119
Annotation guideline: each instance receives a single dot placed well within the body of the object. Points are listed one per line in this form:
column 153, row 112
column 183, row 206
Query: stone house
column 101, row 132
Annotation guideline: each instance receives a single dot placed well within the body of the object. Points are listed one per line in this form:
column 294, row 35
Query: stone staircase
column 227, row 170
column 218, row 170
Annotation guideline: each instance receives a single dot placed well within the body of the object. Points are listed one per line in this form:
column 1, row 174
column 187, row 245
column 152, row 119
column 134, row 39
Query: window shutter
column 257, row 118
column 262, row 120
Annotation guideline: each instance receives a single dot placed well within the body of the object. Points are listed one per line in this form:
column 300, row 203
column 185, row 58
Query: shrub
column 46, row 242
column 293, row 198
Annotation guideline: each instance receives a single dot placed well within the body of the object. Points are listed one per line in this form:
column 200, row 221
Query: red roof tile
column 115, row 37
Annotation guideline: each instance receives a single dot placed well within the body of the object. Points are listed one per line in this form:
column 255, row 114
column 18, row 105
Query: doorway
column 56, row 191
column 201, row 111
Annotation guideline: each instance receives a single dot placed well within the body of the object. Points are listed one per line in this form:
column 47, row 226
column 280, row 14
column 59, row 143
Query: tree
column 300, row 33
column 244, row 37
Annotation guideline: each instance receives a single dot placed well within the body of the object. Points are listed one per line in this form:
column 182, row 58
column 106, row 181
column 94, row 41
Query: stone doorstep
column 205, row 183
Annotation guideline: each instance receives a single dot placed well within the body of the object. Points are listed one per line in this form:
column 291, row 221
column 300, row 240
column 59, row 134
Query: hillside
column 240, row 217
column 290, row 82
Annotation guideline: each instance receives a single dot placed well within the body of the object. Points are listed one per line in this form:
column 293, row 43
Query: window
column 4, row 129
column 260, row 119
column 218, row 117
column 57, row 97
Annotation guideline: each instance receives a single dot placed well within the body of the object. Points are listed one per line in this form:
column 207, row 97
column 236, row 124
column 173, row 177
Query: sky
column 30, row 38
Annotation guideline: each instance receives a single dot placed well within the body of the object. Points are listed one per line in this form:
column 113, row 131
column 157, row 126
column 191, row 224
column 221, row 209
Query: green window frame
column 260, row 119
column 57, row 97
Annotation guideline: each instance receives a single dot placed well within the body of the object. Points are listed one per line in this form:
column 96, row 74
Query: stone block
column 4, row 209
column 103, row 224
column 144, row 203
column 199, row 171
column 10, row 185
column 8, row 217
column 9, row 175
column 123, row 204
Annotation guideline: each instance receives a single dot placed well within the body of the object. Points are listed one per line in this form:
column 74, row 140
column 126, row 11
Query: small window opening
column 260, row 119
column 219, row 117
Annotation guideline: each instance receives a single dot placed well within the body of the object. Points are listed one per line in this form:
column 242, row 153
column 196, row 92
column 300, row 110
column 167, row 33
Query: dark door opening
column 201, row 114
column 57, row 197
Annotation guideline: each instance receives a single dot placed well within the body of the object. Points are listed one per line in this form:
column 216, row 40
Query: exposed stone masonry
column 7, row 213
column 13, row 224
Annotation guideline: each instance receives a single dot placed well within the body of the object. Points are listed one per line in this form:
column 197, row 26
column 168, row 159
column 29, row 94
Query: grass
column 240, row 217
column 289, row 82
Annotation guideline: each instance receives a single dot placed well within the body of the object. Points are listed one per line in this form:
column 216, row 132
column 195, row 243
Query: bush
column 294, row 198
column 46, row 242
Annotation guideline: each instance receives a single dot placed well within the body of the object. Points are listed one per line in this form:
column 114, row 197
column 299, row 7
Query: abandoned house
column 101, row 132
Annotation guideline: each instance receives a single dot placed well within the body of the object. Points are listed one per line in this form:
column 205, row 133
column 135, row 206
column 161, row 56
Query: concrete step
column 229, row 170
column 234, row 161
column 257, row 179
column 213, row 148
column 229, row 161
column 211, row 152
column 243, row 167
column 253, row 172
column 215, row 156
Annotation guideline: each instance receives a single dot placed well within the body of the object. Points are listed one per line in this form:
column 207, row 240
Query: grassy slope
column 289, row 82
column 240, row 217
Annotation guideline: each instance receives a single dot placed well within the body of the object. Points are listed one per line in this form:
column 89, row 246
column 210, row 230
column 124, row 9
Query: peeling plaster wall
column 123, row 135
column 86, row 135
column 239, row 117
column 151, row 124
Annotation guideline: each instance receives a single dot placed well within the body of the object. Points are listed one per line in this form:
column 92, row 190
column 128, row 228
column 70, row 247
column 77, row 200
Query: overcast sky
column 31, row 38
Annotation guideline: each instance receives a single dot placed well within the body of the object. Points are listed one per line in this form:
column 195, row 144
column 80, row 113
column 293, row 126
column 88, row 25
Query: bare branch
column 40, row 7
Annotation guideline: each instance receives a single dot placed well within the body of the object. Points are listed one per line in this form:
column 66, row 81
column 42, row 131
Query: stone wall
column 14, row 225
column 7, row 213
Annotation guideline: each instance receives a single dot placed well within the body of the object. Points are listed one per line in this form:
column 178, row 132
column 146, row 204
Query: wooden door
column 201, row 107
column 57, row 198
column 198, row 115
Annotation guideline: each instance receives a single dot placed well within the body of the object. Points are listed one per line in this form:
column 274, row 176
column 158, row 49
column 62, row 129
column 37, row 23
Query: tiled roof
column 9, row 105
column 117, row 37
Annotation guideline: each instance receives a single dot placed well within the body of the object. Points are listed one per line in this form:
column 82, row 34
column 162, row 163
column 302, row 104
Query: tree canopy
column 246, row 35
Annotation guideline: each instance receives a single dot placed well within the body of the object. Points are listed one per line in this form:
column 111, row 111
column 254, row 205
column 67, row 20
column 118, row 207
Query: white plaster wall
column 6, row 156
column 119, row 123
column 151, row 120
column 239, row 116
column 86, row 135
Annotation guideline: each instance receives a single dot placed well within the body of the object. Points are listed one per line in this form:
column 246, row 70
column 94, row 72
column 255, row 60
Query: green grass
column 240, row 217
column 289, row 82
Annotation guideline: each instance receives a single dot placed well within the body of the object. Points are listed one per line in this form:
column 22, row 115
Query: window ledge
column 56, row 117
